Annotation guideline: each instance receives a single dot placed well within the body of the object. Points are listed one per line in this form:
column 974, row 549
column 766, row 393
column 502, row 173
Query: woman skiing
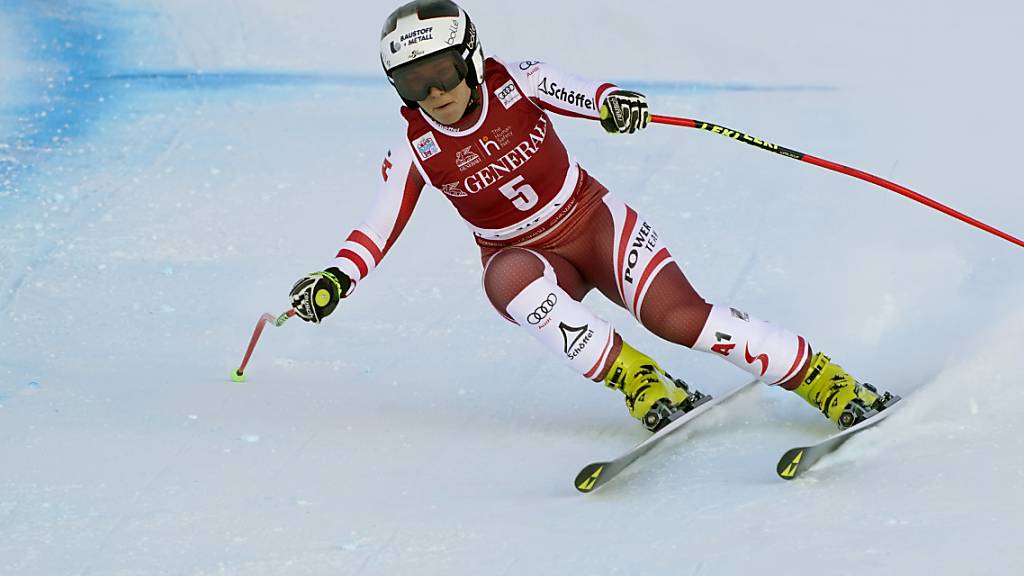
column 478, row 130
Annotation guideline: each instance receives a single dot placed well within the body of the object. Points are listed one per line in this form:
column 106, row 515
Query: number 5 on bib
column 523, row 197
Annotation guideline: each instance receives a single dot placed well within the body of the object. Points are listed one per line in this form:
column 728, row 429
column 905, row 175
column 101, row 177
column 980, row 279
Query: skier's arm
column 558, row 91
column 317, row 294
column 366, row 246
column 620, row 111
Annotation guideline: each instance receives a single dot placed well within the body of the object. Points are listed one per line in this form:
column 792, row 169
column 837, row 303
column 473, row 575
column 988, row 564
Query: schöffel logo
column 426, row 146
column 576, row 338
column 541, row 312
column 568, row 96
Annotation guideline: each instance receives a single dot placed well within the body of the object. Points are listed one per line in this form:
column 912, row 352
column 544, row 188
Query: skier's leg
column 777, row 356
column 771, row 353
column 644, row 278
column 540, row 291
column 646, row 281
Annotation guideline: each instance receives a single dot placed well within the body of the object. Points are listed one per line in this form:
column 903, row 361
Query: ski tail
column 798, row 460
column 590, row 477
column 790, row 463
column 597, row 474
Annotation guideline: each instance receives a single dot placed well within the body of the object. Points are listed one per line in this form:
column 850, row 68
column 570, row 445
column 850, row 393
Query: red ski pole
column 239, row 374
column 735, row 135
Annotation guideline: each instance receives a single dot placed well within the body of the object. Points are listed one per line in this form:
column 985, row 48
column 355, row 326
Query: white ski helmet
column 429, row 43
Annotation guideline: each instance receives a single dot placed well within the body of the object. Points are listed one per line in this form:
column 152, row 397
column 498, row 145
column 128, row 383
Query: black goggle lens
column 444, row 71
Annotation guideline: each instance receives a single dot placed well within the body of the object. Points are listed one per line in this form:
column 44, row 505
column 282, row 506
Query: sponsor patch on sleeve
column 508, row 94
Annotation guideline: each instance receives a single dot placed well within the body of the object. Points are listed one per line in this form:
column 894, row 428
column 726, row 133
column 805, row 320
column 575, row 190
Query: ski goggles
column 443, row 70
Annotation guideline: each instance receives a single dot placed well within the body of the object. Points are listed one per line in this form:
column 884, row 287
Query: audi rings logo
column 542, row 311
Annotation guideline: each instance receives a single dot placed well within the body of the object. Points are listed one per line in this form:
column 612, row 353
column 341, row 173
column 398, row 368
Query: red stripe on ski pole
column 902, row 190
column 859, row 174
column 673, row 121
column 263, row 321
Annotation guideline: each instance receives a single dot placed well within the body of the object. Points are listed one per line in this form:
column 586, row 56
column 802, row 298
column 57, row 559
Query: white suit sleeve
column 397, row 195
column 557, row 91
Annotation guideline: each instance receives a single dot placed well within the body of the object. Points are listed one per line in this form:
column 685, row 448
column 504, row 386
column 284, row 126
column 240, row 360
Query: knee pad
column 563, row 325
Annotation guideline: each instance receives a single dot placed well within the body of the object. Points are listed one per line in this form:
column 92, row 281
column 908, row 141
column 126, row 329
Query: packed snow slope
column 168, row 168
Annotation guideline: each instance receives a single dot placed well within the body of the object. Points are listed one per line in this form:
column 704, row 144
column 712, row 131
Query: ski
column 597, row 474
column 798, row 460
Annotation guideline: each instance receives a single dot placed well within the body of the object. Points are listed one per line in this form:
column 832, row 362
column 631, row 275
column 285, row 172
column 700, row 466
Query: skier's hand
column 317, row 294
column 624, row 112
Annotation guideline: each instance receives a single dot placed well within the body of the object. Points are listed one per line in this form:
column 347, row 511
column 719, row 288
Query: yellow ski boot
column 840, row 397
column 652, row 395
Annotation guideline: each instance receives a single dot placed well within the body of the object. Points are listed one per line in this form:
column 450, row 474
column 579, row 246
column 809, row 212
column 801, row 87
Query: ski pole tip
column 237, row 376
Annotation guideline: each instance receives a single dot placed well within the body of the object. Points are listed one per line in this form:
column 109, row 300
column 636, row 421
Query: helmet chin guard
column 424, row 27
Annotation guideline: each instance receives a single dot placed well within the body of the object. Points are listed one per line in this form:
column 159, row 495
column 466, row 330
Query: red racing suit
column 502, row 167
column 549, row 233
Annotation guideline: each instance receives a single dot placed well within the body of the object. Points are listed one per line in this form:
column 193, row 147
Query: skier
column 478, row 130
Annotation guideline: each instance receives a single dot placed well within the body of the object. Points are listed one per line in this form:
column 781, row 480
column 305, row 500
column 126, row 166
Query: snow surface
column 169, row 167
